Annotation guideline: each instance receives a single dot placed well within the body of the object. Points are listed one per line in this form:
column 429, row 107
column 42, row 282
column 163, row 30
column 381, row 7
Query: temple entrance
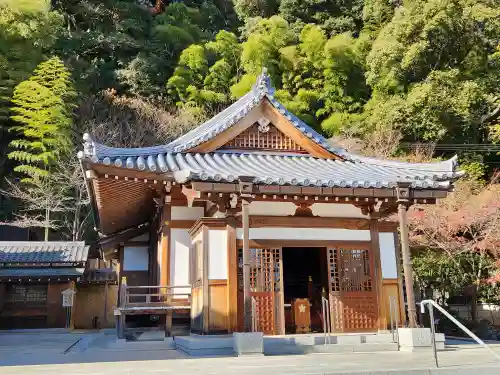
column 305, row 278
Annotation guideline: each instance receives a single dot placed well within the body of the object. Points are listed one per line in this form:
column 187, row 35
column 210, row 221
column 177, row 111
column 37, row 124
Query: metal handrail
column 394, row 317
column 433, row 304
column 327, row 328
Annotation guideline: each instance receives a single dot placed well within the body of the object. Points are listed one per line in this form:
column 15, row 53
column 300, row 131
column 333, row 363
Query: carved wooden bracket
column 190, row 194
column 304, row 209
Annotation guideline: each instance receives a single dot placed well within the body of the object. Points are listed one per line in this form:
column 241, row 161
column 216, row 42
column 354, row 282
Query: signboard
column 67, row 297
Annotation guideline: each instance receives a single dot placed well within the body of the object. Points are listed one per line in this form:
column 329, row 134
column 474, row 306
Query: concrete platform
column 200, row 346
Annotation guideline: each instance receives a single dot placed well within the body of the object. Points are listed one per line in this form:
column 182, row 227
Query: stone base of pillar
column 414, row 339
column 248, row 343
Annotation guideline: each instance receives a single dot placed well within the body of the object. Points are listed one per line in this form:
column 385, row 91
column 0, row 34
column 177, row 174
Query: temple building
column 251, row 221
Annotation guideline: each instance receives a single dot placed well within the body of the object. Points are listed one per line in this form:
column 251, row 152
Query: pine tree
column 42, row 111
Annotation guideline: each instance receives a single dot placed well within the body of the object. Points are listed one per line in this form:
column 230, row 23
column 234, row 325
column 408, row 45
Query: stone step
column 201, row 346
column 329, row 348
column 166, row 344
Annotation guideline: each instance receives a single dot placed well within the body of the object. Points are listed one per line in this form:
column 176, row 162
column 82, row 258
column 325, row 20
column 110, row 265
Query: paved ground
column 20, row 356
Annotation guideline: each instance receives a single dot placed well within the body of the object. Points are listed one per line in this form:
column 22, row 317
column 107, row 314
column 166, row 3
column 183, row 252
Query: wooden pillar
column 246, row 266
column 401, row 298
column 407, row 264
column 105, row 307
column 164, row 254
column 164, row 259
column 232, row 275
column 205, row 282
column 375, row 248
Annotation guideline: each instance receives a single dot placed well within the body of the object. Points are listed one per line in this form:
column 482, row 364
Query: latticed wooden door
column 265, row 290
column 353, row 298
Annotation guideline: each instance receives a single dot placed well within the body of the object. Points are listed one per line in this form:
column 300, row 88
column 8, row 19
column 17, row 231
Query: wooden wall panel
column 93, row 300
column 56, row 314
column 197, row 309
column 218, row 313
column 391, row 288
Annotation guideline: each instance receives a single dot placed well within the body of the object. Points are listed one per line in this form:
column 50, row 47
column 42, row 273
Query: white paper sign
column 67, row 297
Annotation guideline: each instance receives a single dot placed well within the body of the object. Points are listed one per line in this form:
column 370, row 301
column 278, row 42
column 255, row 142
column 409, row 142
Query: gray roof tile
column 40, row 272
column 43, row 252
column 268, row 167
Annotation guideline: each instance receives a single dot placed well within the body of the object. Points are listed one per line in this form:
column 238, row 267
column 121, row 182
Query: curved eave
column 279, row 170
column 149, row 158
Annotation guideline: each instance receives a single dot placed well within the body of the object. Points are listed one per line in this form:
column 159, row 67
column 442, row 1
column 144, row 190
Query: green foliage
column 41, row 111
column 206, row 72
column 256, row 8
column 432, row 59
column 333, row 16
column 452, row 275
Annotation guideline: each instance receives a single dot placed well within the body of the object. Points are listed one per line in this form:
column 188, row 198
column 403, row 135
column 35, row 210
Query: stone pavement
column 88, row 353
column 468, row 359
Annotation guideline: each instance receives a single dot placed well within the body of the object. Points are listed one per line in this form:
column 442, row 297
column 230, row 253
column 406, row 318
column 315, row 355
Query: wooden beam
column 302, row 243
column 285, row 193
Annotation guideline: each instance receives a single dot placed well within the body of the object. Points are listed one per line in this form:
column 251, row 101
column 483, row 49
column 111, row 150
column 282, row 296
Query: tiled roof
column 41, row 272
column 43, row 252
column 268, row 168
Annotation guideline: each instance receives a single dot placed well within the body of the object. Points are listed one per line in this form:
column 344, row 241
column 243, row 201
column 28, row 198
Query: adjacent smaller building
column 33, row 276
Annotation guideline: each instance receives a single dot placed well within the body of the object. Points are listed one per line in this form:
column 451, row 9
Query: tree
column 205, row 73
column 433, row 62
column 256, row 8
column 41, row 111
column 58, row 202
column 333, row 16
column 27, row 31
column 465, row 227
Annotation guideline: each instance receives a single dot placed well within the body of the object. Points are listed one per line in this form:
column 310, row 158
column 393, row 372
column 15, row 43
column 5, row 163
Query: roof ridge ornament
column 88, row 147
column 263, row 84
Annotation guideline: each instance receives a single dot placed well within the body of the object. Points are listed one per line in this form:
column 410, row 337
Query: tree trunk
column 473, row 303
column 47, row 221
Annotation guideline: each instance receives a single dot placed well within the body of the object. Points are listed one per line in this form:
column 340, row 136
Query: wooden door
column 353, row 297
column 197, row 288
column 266, row 290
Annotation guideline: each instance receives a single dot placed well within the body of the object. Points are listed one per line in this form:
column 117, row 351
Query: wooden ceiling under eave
column 122, row 204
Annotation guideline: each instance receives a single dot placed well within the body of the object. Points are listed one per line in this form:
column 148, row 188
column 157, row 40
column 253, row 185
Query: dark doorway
column 305, row 275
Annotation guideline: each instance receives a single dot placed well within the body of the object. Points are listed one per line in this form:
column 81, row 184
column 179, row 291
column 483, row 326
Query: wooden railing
column 154, row 296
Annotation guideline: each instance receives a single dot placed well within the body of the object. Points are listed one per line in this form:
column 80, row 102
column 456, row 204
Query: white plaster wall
column 329, row 234
column 318, row 209
column 187, row 213
column 336, row 210
column 135, row 258
column 180, row 244
column 217, row 254
column 272, row 208
column 388, row 256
